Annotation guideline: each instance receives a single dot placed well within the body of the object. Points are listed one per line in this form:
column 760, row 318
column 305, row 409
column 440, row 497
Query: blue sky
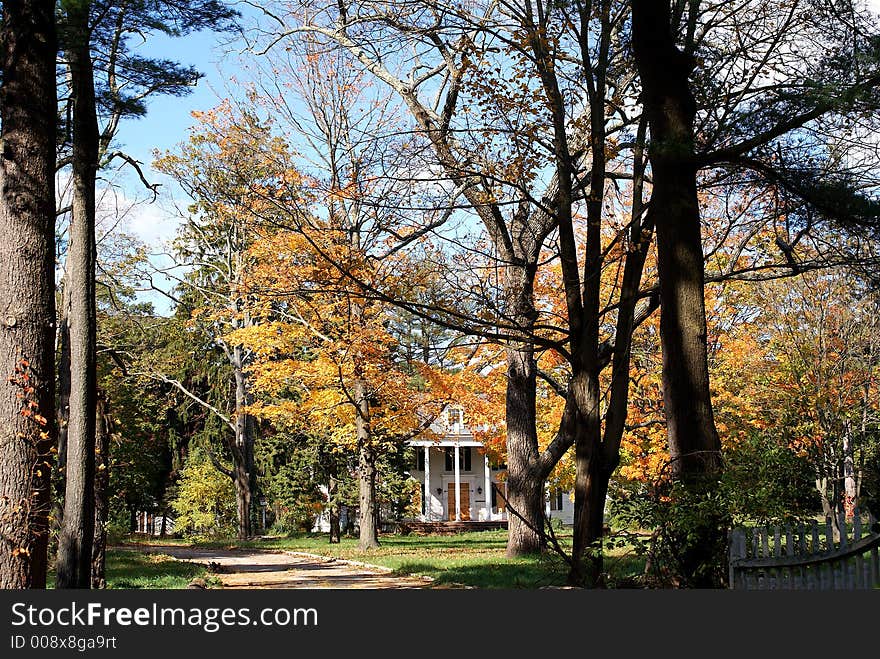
column 166, row 124
column 168, row 119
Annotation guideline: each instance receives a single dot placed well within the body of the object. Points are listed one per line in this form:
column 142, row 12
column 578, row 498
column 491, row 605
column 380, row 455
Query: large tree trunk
column 27, row 254
column 102, row 481
column 368, row 537
column 241, row 480
column 599, row 467
column 669, row 104
column 694, row 446
column 525, row 483
column 77, row 529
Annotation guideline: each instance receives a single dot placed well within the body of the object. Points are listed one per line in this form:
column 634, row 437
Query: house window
column 556, row 499
column 464, row 457
column 418, row 462
column 455, row 416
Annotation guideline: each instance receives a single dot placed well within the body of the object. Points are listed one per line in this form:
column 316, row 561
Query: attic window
column 455, row 416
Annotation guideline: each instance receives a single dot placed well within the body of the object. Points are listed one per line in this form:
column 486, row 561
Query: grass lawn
column 129, row 568
column 467, row 559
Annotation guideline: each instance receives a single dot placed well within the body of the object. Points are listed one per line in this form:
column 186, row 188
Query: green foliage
column 688, row 543
column 398, row 494
column 870, row 489
column 765, row 481
column 204, row 503
column 295, row 473
column 140, row 458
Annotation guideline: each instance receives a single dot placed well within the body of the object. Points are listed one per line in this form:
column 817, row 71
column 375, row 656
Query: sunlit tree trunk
column 368, row 537
column 73, row 567
column 27, row 323
column 244, row 467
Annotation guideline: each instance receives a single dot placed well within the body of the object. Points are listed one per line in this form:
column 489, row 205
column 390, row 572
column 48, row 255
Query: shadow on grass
column 490, row 574
column 134, row 570
column 550, row 571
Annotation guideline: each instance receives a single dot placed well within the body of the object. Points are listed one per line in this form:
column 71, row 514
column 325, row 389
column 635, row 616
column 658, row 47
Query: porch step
column 448, row 528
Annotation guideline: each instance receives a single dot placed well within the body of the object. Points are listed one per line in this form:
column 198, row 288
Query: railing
column 797, row 557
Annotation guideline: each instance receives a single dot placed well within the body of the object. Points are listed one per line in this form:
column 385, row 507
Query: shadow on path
column 250, row 568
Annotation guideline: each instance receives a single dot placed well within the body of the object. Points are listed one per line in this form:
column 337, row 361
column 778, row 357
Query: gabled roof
column 450, row 428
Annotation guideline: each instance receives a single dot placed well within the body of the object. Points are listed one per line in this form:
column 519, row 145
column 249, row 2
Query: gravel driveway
column 253, row 568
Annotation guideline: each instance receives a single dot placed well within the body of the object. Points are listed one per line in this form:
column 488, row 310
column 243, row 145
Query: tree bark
column 27, row 253
column 525, row 483
column 244, row 467
column 694, row 445
column 368, row 538
column 102, row 481
column 849, row 473
column 62, row 407
column 73, row 568
column 333, row 507
column 599, row 467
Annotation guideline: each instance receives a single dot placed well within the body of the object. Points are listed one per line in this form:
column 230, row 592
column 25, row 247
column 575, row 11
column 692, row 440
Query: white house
column 458, row 481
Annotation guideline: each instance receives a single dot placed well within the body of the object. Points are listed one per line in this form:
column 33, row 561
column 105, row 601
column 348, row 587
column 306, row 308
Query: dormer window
column 455, row 420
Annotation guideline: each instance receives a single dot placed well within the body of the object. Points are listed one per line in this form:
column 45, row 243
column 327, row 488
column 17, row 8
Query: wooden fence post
column 737, row 552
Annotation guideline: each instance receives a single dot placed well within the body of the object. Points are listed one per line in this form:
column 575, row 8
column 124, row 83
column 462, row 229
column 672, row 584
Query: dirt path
column 254, row 568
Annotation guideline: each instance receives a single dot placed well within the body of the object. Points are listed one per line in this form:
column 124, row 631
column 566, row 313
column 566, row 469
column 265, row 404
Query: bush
column 298, row 517
column 205, row 501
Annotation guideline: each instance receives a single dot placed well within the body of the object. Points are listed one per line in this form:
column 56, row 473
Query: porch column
column 428, row 483
column 457, row 487
column 487, row 487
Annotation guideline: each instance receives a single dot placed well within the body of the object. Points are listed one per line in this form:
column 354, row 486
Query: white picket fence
column 805, row 557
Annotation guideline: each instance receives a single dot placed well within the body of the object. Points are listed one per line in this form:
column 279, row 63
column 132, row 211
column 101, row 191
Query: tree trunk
column 27, row 257
column 587, row 561
column 102, row 480
column 599, row 467
column 849, row 473
column 669, row 104
column 333, row 507
column 694, row 446
column 525, row 484
column 244, row 467
column 241, row 480
column 368, row 537
column 828, row 507
column 77, row 529
column 62, row 407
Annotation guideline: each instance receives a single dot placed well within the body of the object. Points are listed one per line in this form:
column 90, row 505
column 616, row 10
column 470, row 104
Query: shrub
column 205, row 501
